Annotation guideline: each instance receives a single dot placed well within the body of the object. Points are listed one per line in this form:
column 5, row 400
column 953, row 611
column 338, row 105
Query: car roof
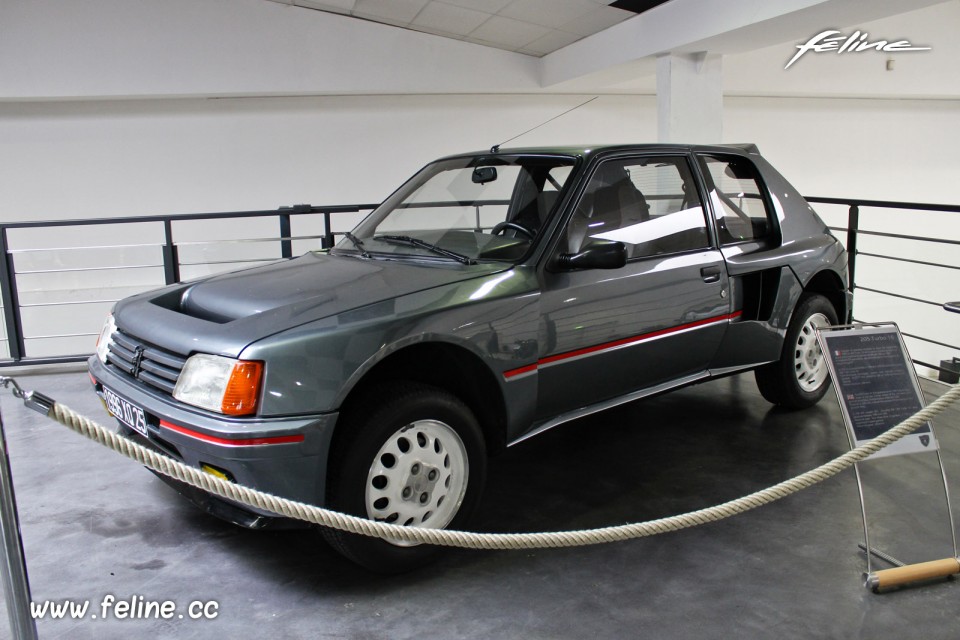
column 590, row 150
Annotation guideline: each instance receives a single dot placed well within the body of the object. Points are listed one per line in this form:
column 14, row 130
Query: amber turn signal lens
column 243, row 388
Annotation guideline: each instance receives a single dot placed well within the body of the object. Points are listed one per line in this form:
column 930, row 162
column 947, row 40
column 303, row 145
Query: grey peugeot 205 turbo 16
column 493, row 296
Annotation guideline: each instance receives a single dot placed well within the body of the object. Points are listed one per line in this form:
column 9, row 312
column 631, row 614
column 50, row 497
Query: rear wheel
column 411, row 455
column 800, row 378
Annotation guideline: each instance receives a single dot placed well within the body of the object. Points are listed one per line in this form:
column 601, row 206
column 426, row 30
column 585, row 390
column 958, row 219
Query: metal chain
column 443, row 537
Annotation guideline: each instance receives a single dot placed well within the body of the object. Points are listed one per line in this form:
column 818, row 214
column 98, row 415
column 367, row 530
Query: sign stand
column 877, row 388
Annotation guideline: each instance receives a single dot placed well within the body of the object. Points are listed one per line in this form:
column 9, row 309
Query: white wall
column 70, row 159
column 901, row 150
column 109, row 157
column 855, row 148
column 95, row 159
column 121, row 158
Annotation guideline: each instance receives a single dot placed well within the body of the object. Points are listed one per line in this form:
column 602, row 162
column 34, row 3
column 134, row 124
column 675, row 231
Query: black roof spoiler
column 746, row 147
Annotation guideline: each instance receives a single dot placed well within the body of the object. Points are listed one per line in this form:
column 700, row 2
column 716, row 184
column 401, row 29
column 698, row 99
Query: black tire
column 439, row 432
column 800, row 378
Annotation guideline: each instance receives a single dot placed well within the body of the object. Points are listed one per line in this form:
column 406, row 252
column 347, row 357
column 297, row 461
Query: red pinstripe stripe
column 617, row 343
column 242, row 442
column 521, row 370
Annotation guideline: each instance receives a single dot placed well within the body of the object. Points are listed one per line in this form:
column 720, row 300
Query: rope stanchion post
column 16, row 585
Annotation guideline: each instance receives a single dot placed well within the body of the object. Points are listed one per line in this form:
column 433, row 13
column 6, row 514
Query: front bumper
column 286, row 457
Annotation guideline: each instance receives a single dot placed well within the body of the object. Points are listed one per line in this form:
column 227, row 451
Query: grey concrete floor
column 96, row 524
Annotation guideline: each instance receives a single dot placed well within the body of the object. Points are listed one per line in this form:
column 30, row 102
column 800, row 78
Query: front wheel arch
column 450, row 367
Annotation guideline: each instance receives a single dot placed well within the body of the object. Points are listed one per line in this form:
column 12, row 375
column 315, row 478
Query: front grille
column 147, row 363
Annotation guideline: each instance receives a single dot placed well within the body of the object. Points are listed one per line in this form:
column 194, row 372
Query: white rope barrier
column 443, row 537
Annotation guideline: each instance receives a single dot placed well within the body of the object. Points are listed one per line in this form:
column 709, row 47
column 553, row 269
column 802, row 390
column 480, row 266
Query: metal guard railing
column 10, row 294
column 854, row 231
column 171, row 263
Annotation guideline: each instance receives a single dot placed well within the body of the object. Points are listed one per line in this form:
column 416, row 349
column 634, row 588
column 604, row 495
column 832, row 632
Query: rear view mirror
column 483, row 175
column 596, row 254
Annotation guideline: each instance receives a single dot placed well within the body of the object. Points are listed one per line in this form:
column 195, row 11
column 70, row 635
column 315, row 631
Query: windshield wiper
column 358, row 243
column 416, row 242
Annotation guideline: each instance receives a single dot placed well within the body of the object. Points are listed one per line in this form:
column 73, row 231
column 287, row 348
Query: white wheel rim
column 418, row 478
column 808, row 360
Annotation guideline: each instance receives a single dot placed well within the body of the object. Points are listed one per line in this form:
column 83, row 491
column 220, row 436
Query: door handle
column 710, row 274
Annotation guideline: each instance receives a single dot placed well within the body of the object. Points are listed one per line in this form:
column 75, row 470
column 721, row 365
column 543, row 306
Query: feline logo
column 833, row 40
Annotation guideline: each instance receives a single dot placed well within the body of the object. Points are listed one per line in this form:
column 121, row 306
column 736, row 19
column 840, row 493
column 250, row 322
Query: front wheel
column 411, row 455
column 800, row 378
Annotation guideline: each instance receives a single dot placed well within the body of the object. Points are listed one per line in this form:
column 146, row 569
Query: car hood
column 224, row 313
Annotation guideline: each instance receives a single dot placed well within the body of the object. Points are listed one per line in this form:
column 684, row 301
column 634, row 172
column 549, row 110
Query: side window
column 738, row 203
column 650, row 204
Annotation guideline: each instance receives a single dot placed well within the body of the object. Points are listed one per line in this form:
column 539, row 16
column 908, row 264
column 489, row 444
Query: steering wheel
column 500, row 226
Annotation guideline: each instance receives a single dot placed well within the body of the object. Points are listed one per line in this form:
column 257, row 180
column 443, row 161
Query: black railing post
column 286, row 246
column 11, row 301
column 171, row 259
column 328, row 240
column 853, row 225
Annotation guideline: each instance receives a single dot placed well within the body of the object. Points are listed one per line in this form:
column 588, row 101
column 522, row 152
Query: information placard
column 876, row 384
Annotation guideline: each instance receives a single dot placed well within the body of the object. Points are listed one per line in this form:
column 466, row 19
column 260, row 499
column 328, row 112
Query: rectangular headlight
column 220, row 384
column 105, row 338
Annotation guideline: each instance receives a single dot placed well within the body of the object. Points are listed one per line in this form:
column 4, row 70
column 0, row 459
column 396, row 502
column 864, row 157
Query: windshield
column 466, row 209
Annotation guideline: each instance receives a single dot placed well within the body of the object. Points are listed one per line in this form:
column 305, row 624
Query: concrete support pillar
column 690, row 98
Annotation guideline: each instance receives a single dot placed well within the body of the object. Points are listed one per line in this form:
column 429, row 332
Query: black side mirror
column 596, row 254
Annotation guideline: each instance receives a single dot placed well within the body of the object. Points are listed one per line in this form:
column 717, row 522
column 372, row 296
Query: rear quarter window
column 740, row 205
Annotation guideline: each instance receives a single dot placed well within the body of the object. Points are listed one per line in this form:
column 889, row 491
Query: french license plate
column 126, row 412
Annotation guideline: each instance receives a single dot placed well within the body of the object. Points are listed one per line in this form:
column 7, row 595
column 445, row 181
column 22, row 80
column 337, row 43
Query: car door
column 605, row 333
column 762, row 285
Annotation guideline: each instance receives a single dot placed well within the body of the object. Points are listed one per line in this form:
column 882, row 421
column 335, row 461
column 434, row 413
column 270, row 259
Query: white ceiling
column 532, row 27
column 263, row 48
